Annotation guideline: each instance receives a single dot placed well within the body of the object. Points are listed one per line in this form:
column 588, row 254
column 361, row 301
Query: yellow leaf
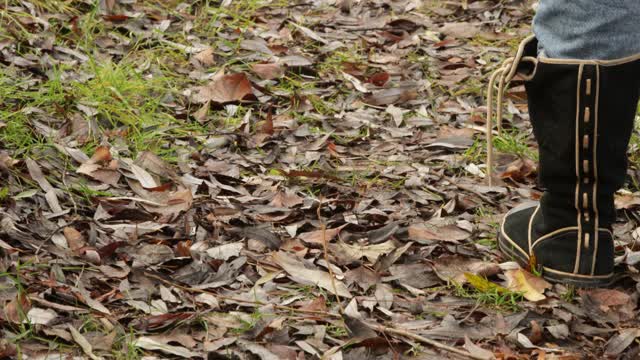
column 531, row 286
column 482, row 284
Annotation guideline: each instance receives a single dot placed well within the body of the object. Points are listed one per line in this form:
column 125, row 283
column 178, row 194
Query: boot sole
column 584, row 281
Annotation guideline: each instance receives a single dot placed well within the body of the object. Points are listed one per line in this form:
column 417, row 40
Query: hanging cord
column 502, row 76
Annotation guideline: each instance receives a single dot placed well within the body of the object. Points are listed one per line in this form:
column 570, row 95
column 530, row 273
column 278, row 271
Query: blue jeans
column 588, row 29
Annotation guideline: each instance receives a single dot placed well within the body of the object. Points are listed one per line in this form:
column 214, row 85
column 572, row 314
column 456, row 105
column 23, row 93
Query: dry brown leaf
column 519, row 170
column 82, row 341
column 300, row 274
column 460, row 29
column 362, row 276
column 379, row 79
column 627, row 201
column 101, row 167
column 391, row 96
column 152, row 344
column 75, row 239
column 477, row 350
column 268, row 71
column 318, row 236
column 453, row 267
column 146, row 180
column 426, row 233
column 205, row 57
column 356, row 252
column 225, row 89
column 16, row 310
column 621, row 342
column 606, row 298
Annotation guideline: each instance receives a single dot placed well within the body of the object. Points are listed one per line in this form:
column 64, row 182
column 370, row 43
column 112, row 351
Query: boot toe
column 513, row 238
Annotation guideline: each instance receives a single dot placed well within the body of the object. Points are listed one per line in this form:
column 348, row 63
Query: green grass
column 514, row 142
column 509, row 142
column 248, row 325
column 494, row 297
column 337, row 331
column 335, row 62
column 570, row 294
column 124, row 347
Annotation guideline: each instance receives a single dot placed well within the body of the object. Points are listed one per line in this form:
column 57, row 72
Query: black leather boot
column 582, row 112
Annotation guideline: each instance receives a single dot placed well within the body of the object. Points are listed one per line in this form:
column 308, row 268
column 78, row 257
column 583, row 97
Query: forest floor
column 276, row 180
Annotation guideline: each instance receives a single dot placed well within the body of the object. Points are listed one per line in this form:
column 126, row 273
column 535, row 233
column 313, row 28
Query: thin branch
column 422, row 339
column 248, row 302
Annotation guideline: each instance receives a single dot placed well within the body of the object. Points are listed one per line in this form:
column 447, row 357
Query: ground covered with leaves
column 275, row 180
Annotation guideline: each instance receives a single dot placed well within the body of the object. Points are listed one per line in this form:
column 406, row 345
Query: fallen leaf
column 300, row 274
column 619, row 343
column 309, row 33
column 391, row 96
column 425, row 233
column 146, row 180
column 268, row 71
column 225, row 89
column 482, row 284
column 226, row 251
column 262, row 352
column 74, row 238
column 418, row 275
column 82, row 341
column 362, row 277
column 477, row 350
column 384, row 296
column 460, row 29
column 519, row 170
column 396, row 114
column 453, row 268
column 101, row 166
column 379, row 79
column 319, row 236
column 355, row 252
column 41, row 316
column 358, row 329
column 532, row 287
column 7, row 349
column 16, row 310
column 627, row 201
column 205, row 57
column 355, row 82
column 606, row 298
column 148, row 343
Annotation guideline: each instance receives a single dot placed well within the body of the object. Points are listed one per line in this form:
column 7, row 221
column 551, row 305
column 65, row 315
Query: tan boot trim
column 530, row 232
column 547, row 60
column 544, row 268
column 595, row 174
column 576, row 266
column 561, row 230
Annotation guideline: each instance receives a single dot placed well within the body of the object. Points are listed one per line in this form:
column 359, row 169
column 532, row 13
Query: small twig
column 379, row 328
column 422, row 339
column 477, row 305
column 248, row 302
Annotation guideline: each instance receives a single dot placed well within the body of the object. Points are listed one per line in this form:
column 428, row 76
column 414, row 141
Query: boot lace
column 498, row 82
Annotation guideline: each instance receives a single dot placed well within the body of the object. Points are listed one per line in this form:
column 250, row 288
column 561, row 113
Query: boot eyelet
column 587, row 114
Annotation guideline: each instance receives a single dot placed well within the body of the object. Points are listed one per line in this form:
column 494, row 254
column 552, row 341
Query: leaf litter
column 275, row 180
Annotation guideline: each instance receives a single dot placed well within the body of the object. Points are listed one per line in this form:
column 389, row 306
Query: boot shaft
column 583, row 114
